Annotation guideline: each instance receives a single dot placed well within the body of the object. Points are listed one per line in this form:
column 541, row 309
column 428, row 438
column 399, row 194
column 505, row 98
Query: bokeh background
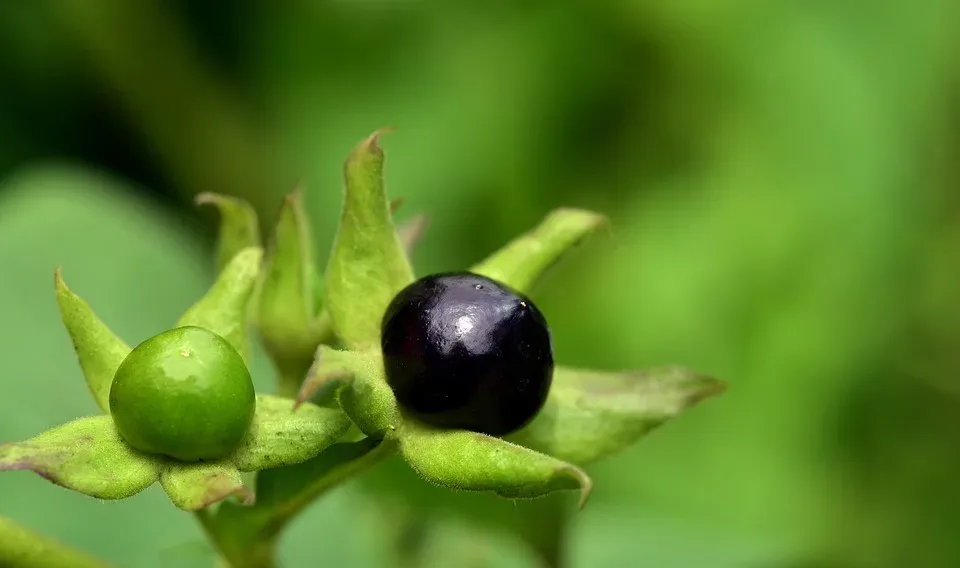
column 782, row 180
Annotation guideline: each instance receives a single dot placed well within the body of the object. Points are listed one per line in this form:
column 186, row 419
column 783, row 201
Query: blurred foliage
column 781, row 180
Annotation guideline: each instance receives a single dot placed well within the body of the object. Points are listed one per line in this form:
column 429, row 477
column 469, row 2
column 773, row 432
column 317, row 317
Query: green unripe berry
column 185, row 393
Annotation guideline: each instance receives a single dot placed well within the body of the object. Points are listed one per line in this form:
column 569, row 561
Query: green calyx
column 184, row 393
column 179, row 409
column 589, row 415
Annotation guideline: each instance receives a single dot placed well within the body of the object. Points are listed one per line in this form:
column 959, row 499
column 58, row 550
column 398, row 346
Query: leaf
column 593, row 414
column 98, row 349
column 469, row 461
column 367, row 265
column 223, row 310
column 522, row 262
column 239, row 226
column 361, row 389
column 195, row 486
column 24, row 548
column 279, row 436
column 288, row 318
column 86, row 455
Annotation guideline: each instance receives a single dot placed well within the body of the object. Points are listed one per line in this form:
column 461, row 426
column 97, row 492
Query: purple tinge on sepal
column 86, row 456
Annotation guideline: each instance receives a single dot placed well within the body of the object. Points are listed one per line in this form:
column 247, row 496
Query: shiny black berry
column 464, row 351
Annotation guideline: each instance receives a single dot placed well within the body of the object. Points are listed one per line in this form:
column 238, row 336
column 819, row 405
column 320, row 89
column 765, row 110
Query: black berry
column 464, row 351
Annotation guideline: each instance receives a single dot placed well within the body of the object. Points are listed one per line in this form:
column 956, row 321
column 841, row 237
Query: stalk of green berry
column 454, row 372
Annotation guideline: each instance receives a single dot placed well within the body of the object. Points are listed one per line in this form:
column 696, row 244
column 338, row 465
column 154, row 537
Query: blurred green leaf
column 198, row 552
column 195, row 486
column 239, row 226
column 86, row 455
column 469, row 461
column 590, row 415
column 522, row 262
column 367, row 265
column 99, row 350
column 223, row 309
column 279, row 436
column 24, row 548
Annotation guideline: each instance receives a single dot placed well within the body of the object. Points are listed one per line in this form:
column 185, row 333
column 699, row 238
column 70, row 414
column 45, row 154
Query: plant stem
column 547, row 536
column 260, row 554
column 408, row 531
column 23, row 548
column 247, row 536
column 336, row 476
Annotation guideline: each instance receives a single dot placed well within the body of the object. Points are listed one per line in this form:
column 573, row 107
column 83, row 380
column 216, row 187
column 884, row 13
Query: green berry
column 185, row 393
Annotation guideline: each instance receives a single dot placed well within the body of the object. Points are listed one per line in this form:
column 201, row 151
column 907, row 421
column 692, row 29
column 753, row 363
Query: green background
column 781, row 178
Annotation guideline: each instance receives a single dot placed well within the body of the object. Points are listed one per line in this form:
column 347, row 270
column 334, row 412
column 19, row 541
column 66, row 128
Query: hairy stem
column 23, row 548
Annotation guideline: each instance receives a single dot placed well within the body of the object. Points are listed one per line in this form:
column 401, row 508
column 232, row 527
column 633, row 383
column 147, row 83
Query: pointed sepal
column 522, row 262
column 289, row 317
column 196, row 486
column 223, row 309
column 367, row 265
column 469, row 461
column 86, row 455
column 98, row 349
column 239, row 226
column 590, row 415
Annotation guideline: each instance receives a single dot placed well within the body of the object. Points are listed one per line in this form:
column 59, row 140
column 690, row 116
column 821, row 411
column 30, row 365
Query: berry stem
column 22, row 547
column 259, row 553
column 289, row 510
column 247, row 537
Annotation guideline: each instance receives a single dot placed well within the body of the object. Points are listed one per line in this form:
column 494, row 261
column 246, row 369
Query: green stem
column 284, row 513
column 407, row 531
column 549, row 547
column 260, row 554
column 23, row 548
column 547, row 536
column 247, row 536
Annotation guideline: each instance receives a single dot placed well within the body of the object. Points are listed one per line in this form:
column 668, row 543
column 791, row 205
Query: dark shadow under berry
column 464, row 351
